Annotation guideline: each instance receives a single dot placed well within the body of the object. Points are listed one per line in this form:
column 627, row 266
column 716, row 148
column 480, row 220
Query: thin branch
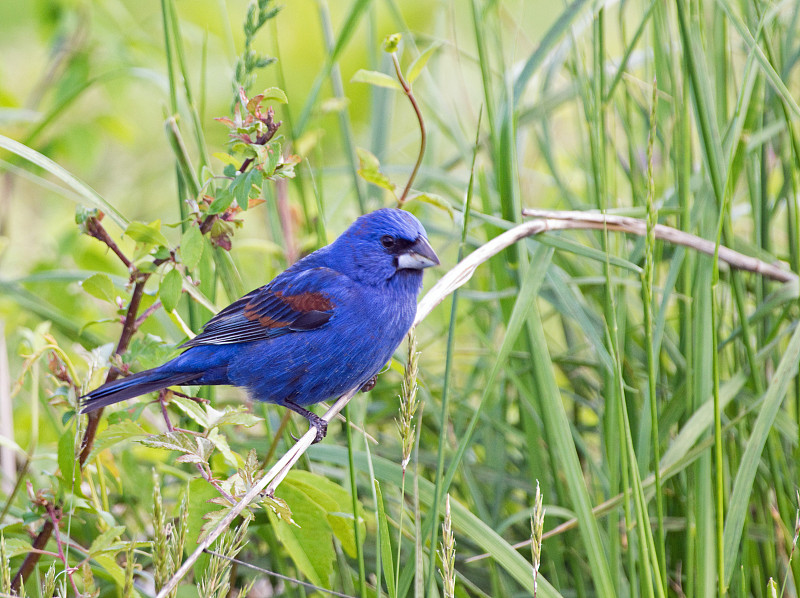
column 636, row 226
column 267, row 483
column 98, row 231
column 423, row 136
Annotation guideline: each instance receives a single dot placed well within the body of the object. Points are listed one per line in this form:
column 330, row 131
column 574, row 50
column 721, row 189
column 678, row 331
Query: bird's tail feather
column 133, row 386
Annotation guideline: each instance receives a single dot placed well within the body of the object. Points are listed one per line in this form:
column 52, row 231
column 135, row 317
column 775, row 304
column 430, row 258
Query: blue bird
column 327, row 324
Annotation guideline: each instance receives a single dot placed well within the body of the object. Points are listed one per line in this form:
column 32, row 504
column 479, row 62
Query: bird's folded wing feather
column 293, row 302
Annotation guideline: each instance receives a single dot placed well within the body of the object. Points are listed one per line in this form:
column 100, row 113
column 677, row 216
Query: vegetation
column 628, row 400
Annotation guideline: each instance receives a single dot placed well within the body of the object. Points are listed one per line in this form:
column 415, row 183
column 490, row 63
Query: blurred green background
column 654, row 397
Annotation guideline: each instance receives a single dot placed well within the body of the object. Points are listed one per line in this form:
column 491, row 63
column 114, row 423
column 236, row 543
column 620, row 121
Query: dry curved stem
column 267, row 484
column 453, row 279
column 636, row 226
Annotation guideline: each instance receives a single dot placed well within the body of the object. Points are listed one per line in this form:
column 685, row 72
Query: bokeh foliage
column 580, row 360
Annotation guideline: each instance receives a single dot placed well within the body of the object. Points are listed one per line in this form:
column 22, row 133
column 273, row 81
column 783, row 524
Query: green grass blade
column 90, row 198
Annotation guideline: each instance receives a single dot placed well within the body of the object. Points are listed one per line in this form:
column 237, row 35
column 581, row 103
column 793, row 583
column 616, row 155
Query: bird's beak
column 420, row 255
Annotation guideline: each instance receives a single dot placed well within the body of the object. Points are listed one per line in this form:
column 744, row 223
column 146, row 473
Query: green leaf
column 338, row 504
column 170, row 289
column 743, row 485
column 192, row 246
column 66, row 454
column 117, row 573
column 114, row 434
column 387, row 559
column 221, row 444
column 369, row 170
column 231, row 416
column 84, row 194
column 149, row 234
column 420, row 61
column 192, row 409
column 434, row 200
column 106, row 539
column 376, row 78
column 310, row 542
column 16, row 547
column 275, row 94
column 100, row 286
column 223, row 200
column 171, row 441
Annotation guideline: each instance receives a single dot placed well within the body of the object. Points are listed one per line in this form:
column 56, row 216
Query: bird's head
column 381, row 244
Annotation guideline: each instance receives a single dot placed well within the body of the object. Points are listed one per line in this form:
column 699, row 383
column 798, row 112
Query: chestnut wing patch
column 288, row 304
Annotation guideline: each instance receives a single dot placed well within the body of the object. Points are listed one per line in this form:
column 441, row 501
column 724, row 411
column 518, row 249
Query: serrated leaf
column 232, row 416
column 149, row 234
column 171, row 441
column 221, row 444
column 420, row 61
column 16, row 546
column 279, row 507
column 192, row 409
column 100, row 286
column 169, row 291
column 191, row 458
column 376, row 78
column 211, row 519
column 275, row 94
column 192, row 246
column 114, row 434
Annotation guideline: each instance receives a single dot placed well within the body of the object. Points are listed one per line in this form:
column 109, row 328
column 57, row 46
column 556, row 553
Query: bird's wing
column 293, row 302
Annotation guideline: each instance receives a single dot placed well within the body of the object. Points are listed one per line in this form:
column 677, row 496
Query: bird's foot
column 320, row 425
column 314, row 420
column 370, row 384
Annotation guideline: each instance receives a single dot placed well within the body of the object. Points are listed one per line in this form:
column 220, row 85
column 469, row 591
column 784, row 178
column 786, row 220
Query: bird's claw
column 321, row 427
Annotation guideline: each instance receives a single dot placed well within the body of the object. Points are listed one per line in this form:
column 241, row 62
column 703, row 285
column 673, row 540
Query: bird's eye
column 388, row 241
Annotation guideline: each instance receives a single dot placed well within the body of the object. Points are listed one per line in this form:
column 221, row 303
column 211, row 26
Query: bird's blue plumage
column 326, row 325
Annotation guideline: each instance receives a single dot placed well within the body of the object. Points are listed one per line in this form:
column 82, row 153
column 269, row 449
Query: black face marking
column 396, row 245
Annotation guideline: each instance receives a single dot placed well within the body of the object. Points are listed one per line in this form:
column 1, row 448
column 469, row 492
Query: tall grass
column 652, row 393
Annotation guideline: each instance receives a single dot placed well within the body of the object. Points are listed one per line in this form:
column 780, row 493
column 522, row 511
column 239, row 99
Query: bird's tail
column 133, row 386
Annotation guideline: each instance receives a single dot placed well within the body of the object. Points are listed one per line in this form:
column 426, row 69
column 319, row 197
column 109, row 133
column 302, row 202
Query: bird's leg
column 370, row 384
column 314, row 420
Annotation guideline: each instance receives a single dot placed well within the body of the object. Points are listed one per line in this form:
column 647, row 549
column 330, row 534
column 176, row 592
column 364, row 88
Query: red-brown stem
column 96, row 230
column 423, row 137
column 33, row 557
column 128, row 328
column 146, row 314
column 272, row 128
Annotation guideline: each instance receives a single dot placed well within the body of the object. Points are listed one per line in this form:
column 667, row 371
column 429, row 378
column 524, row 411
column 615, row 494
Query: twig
column 267, row 483
column 96, row 230
column 423, row 136
column 636, row 226
column 128, row 329
column 453, row 279
column 146, row 314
